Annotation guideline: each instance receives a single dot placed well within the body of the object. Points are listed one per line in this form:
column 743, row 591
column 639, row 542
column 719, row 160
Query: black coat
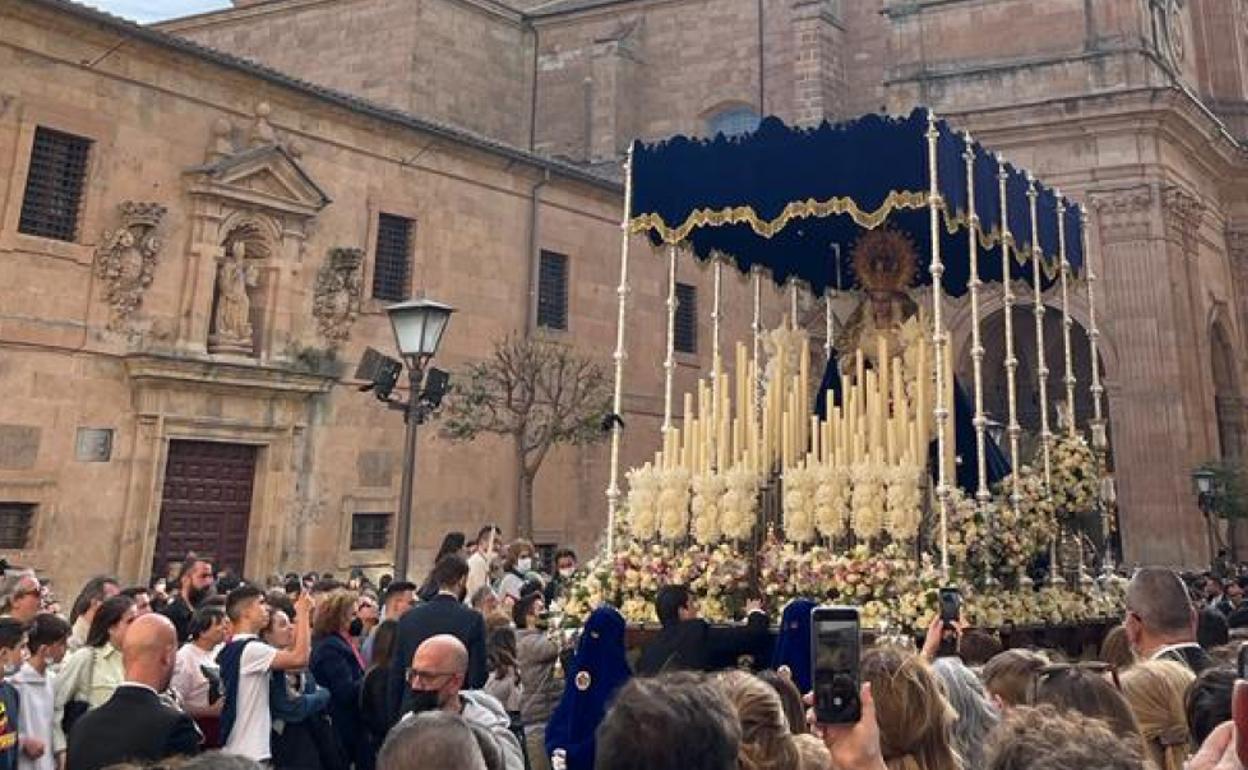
column 698, row 646
column 336, row 668
column 132, row 726
column 1191, row 655
column 443, row 614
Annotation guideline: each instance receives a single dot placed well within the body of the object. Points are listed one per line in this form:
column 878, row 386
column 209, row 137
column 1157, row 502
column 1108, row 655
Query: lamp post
column 418, row 327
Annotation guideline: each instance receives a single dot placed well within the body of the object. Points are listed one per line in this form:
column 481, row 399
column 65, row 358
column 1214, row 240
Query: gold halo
column 885, row 260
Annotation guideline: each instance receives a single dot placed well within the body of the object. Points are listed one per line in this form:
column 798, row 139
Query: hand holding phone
column 836, row 644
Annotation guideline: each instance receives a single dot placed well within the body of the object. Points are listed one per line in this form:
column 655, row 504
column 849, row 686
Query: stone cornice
column 1124, row 214
column 193, row 373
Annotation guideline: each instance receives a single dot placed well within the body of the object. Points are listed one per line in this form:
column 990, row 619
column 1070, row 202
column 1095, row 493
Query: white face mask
column 567, row 572
column 524, row 564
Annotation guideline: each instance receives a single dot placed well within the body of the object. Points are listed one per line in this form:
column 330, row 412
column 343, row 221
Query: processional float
column 863, row 454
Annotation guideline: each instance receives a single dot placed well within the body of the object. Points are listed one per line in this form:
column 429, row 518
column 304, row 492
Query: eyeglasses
column 416, row 675
column 1053, row 670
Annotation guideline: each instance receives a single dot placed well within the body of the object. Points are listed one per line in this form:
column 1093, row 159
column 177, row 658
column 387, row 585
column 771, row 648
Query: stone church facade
column 177, row 338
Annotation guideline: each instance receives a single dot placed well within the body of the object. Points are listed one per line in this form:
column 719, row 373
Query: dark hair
column 236, row 599
column 484, row 533
column 278, row 600
column 108, row 615
column 45, row 630
column 790, row 698
column 188, row 565
column 92, row 591
column 562, row 552
column 677, row 721
column 384, row 639
column 1046, row 737
column 228, row 581
column 449, row 570
column 134, row 591
column 668, row 603
column 326, row 585
column 452, row 542
column 11, row 632
column 204, row 619
column 1208, row 701
column 292, row 585
column 1086, row 691
column 500, row 652
column 524, row 607
column 977, row 647
column 1211, row 629
column 395, row 588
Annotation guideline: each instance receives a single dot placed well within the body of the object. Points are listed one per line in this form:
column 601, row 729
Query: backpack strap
column 230, row 660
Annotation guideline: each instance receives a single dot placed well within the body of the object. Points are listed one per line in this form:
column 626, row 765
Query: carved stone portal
column 126, row 260
column 231, row 324
column 336, row 296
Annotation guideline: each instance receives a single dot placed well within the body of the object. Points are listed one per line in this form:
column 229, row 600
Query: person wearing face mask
column 565, row 568
column 517, row 570
column 436, row 681
column 537, row 652
column 443, row 614
column 339, row 667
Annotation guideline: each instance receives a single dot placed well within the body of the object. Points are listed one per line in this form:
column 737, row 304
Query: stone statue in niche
column 336, row 295
column 126, row 260
column 231, row 328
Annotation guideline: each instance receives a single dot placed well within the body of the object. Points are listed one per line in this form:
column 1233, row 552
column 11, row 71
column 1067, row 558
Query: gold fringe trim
column 896, row 200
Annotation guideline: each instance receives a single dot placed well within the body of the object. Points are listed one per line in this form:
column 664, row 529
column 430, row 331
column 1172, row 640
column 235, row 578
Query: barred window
column 686, row 339
column 52, row 202
column 552, row 291
column 15, row 520
column 392, row 263
column 370, row 531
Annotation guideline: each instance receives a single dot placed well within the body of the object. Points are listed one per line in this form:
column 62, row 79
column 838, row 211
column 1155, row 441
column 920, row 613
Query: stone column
column 1151, row 426
column 818, row 70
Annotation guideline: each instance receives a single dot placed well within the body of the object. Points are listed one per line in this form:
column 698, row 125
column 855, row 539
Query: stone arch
column 261, row 238
column 732, row 117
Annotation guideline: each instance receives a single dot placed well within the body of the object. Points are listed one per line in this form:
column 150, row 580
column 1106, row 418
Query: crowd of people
column 307, row 672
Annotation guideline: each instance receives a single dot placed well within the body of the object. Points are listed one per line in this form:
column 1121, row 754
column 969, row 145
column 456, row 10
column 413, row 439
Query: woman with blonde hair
column 1155, row 689
column 766, row 741
column 915, row 718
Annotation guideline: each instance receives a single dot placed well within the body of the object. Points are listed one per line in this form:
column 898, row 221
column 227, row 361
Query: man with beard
column 194, row 585
column 436, row 681
column 443, row 614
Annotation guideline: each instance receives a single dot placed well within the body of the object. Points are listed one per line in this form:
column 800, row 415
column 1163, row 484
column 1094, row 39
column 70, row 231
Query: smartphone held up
column 836, row 649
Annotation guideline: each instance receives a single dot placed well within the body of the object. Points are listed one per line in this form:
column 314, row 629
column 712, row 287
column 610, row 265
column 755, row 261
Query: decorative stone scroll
column 336, row 294
column 126, row 260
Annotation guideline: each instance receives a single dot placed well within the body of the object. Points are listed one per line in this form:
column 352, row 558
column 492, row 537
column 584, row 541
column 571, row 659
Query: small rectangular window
column 15, row 521
column 52, row 203
column 370, row 531
column 552, row 291
column 392, row 263
column 686, row 340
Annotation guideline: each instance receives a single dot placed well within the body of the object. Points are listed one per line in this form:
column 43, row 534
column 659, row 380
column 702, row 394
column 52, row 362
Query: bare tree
column 538, row 392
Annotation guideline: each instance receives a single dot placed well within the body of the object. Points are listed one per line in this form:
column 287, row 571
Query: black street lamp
column 1206, row 494
column 418, row 328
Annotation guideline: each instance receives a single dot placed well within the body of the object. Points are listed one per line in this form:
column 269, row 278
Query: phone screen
column 836, row 649
column 950, row 605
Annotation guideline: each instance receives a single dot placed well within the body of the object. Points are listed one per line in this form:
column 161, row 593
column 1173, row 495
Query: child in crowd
column 48, row 641
column 12, row 640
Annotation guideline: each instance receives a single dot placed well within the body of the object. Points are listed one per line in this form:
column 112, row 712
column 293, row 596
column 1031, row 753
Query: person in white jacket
column 47, row 641
column 438, row 670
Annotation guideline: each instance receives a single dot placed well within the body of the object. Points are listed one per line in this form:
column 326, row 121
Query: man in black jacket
column 135, row 725
column 689, row 642
column 194, row 585
column 445, row 613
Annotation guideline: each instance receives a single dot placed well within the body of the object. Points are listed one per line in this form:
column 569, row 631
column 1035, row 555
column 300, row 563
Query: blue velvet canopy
column 791, row 200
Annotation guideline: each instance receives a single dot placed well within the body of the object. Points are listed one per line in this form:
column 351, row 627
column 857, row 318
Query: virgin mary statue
column 885, row 264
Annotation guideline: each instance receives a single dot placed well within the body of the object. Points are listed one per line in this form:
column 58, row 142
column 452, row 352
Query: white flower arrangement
column 738, row 508
column 868, row 499
column 673, row 504
column 708, row 491
column 832, row 500
column 642, row 503
column 800, row 484
column 904, row 502
column 1075, row 478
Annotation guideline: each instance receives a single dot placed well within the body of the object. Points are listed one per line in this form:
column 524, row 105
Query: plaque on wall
column 94, row 445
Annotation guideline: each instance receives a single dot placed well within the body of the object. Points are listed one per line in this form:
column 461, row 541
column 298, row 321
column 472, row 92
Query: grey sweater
column 537, row 653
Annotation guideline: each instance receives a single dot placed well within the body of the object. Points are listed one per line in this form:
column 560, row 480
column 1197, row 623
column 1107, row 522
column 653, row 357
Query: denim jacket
column 294, row 697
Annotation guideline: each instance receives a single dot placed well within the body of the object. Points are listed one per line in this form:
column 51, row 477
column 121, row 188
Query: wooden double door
column 206, row 504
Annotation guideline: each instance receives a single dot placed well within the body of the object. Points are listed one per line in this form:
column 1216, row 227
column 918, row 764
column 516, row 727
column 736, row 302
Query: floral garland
column 1075, row 476
column 832, row 500
column 739, row 504
column 868, row 499
column 673, row 504
column 800, row 484
column 642, row 503
column 904, row 502
column 708, row 489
